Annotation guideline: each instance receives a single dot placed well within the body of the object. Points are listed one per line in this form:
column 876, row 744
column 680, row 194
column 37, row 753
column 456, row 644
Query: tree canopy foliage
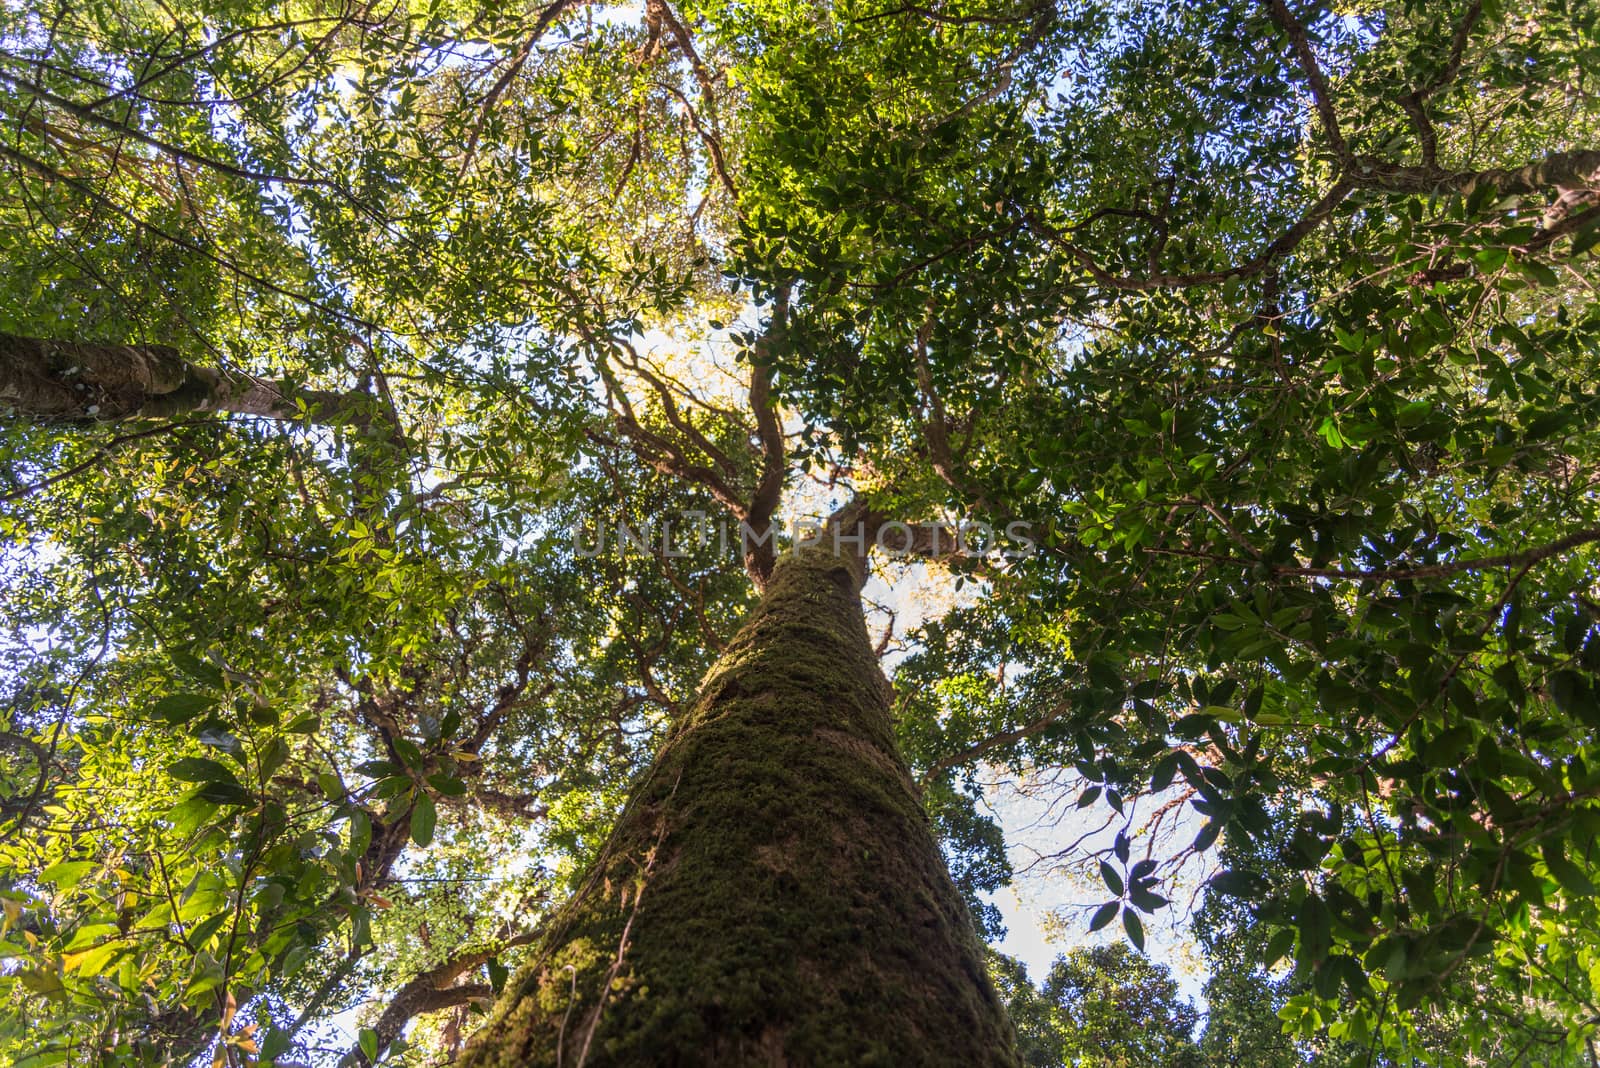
column 1273, row 322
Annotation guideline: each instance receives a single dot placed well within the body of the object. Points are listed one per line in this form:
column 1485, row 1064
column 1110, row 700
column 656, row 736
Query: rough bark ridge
column 772, row 895
column 74, row 382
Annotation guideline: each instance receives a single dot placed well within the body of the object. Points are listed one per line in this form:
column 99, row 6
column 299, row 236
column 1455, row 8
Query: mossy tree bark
column 77, row 382
column 772, row 894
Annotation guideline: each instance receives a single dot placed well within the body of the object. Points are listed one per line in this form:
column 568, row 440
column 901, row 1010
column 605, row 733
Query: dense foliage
column 1274, row 323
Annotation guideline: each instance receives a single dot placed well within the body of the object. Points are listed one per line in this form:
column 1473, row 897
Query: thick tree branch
column 680, row 34
column 78, row 382
column 719, row 162
column 1580, row 167
column 431, row 991
column 1307, row 58
column 1415, row 102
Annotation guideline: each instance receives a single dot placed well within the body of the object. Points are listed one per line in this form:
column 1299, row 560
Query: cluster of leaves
column 1282, row 338
column 311, row 717
column 292, row 739
column 1101, row 1007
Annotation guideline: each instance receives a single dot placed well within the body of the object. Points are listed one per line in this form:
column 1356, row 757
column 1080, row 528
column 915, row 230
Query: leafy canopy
column 1274, row 321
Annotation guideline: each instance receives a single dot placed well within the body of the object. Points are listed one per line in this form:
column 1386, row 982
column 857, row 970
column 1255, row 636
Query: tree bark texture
column 76, row 382
column 772, row 894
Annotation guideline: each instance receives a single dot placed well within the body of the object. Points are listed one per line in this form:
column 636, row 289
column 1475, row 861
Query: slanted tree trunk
column 74, row 382
column 772, row 894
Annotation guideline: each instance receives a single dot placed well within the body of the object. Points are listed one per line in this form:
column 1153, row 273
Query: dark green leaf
column 423, row 817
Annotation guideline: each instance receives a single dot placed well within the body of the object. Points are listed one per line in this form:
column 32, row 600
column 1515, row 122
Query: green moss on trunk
column 773, row 894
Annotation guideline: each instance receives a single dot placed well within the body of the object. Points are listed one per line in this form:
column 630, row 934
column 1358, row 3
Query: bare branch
column 669, row 408
column 768, row 429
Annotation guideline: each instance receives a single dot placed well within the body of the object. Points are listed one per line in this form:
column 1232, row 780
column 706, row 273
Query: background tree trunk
column 73, row 382
column 772, row 894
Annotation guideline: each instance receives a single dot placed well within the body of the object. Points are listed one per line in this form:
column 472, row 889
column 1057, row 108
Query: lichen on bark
column 772, row 894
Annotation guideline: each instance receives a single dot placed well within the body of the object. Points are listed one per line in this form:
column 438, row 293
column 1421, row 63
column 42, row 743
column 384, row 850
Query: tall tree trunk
column 73, row 382
column 772, row 894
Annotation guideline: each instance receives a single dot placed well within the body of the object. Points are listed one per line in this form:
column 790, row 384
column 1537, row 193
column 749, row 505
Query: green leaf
column 182, row 707
column 408, row 752
column 188, row 815
column 223, row 793
column 393, row 786
column 305, row 723
column 276, row 1042
column 1574, row 696
column 1165, row 770
column 1104, row 915
column 43, row 981
column 447, row 785
column 200, row 934
column 368, row 1041
column 1135, row 928
column 91, row 962
column 1278, row 946
column 1491, row 259
column 201, row 769
column 360, row 832
column 1112, row 880
column 1539, row 272
column 67, row 874
column 218, row 737
column 1571, row 877
column 1315, row 925
column 1145, row 900
column 1585, row 239
column 1245, row 884
column 273, row 756
column 423, row 817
